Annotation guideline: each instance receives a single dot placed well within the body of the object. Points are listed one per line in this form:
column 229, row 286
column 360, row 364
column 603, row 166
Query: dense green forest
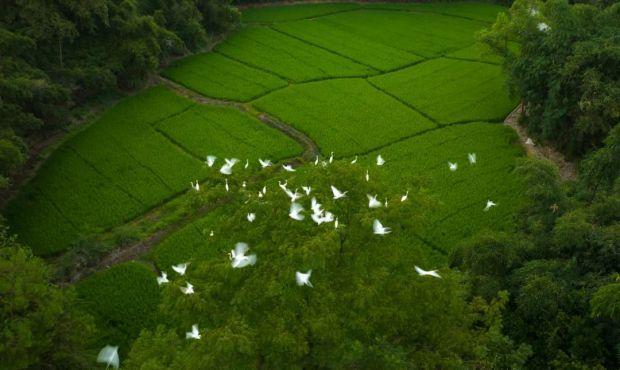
column 545, row 294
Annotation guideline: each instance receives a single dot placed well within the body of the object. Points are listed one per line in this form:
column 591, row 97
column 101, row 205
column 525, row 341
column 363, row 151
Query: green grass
column 269, row 14
column 217, row 76
column 347, row 116
column 461, row 195
column 355, row 46
column 451, row 90
column 123, row 301
column 226, row 132
column 287, row 57
column 481, row 11
column 121, row 166
column 425, row 34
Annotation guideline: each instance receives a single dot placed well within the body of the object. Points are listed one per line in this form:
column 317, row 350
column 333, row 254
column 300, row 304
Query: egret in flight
column 288, row 168
column 211, row 160
column 188, row 289
column 373, row 202
column 472, row 158
column 490, row 204
column 453, row 166
column 380, row 160
column 337, row 193
column 238, row 257
column 264, row 163
column 295, row 212
column 427, row 273
column 109, row 356
column 379, row 229
column 227, row 167
column 163, row 279
column 306, row 189
column 180, row 268
column 194, row 334
column 251, row 217
column 303, row 278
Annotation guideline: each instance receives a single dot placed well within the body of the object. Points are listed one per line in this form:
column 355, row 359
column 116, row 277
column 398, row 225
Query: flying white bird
column 295, row 212
column 472, row 158
column 109, row 355
column 303, row 279
column 211, row 160
column 306, row 189
column 238, row 257
column 264, row 162
column 163, row 279
column 354, row 161
column 337, row 193
column 226, row 185
column 373, row 202
column 227, row 167
column 322, row 217
column 379, row 229
column 315, row 206
column 453, row 166
column 288, row 168
column 404, row 197
column 189, row 289
column 533, row 11
column 367, row 176
column 247, row 163
column 194, row 334
column 293, row 195
column 180, row 268
column 316, row 161
column 427, row 273
column 251, row 217
column 331, row 157
column 490, row 204
column 544, row 27
column 380, row 160
column 282, row 185
column 529, row 141
column 195, row 186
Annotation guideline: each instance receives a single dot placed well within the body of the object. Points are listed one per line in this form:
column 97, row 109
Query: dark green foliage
column 568, row 76
column 41, row 326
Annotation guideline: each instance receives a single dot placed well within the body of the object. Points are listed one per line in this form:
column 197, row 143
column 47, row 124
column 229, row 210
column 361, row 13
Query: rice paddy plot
column 226, row 132
column 269, row 14
column 425, row 34
column 367, row 51
column 347, row 116
column 217, row 76
column 288, row 57
column 451, row 90
column 123, row 301
column 480, row 11
column 461, row 195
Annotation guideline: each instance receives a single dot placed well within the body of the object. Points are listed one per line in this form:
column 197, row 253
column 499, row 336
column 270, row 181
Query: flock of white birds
column 239, row 257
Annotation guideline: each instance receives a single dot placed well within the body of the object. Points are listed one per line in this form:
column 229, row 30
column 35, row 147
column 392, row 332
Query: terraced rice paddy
column 399, row 80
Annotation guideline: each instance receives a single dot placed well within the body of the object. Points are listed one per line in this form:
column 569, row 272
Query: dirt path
column 310, row 148
column 567, row 170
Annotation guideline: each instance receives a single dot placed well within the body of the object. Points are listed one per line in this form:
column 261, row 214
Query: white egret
column 238, row 257
column 195, row 186
column 264, row 163
column 194, row 334
column 322, row 217
column 163, row 278
column 180, row 268
column 453, row 166
column 543, row 27
column 404, row 197
column 316, row 161
column 490, row 204
column 472, row 158
column 251, row 217
column 529, row 141
column 385, row 204
column 315, row 206
column 306, row 189
column 282, row 185
column 226, row 185
column 211, row 234
column 295, row 212
column 247, row 163
column 427, row 273
column 109, row 356
column 244, row 184
column 293, row 195
column 303, row 278
column 331, row 157
column 337, row 193
column 373, row 202
column 288, row 168
column 188, row 289
column 210, row 160
column 336, row 223
column 354, row 161
column 367, row 176
column 380, row 160
column 227, row 167
column 379, row 229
